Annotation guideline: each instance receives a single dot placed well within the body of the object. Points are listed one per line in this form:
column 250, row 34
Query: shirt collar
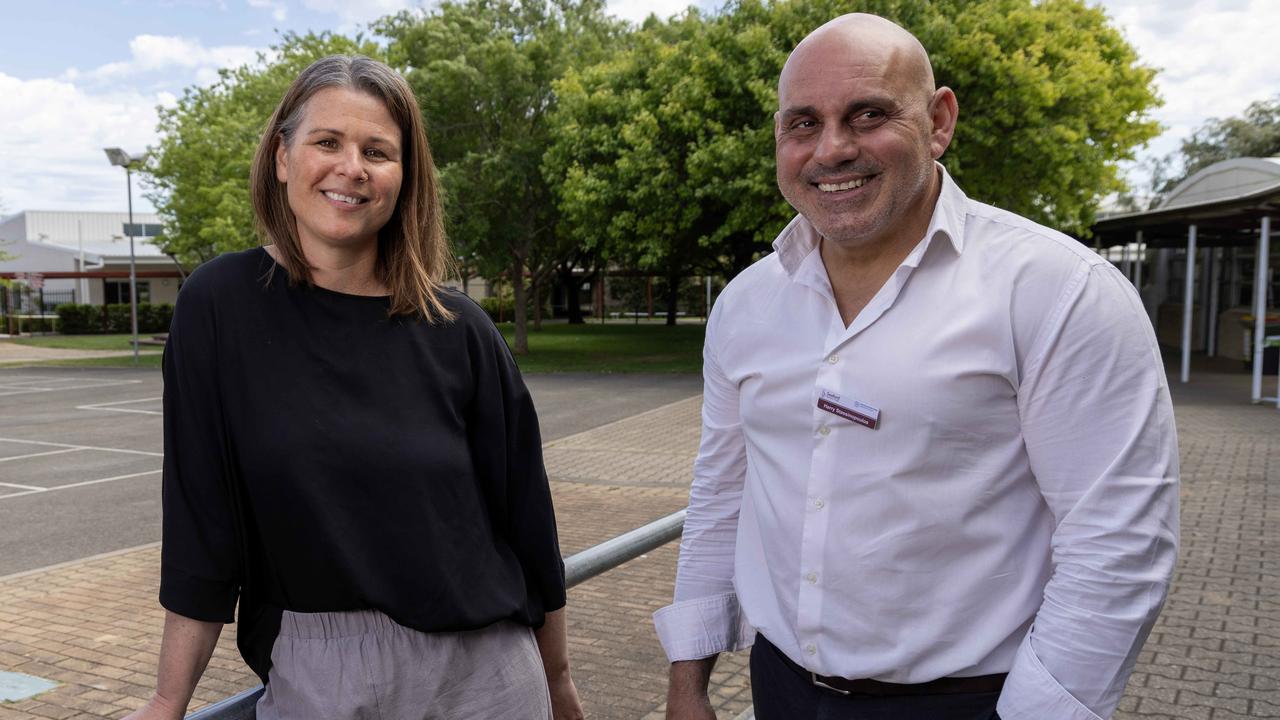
column 799, row 238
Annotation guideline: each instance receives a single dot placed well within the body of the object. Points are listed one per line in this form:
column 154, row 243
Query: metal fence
column 578, row 568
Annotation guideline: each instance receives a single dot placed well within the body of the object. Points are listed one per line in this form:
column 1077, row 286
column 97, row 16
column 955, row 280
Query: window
column 117, row 291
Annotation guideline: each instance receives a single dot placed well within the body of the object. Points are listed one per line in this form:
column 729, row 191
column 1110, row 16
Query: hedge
column 74, row 319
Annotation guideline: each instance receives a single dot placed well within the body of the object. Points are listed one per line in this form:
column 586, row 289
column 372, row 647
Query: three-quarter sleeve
column 507, row 447
column 200, row 568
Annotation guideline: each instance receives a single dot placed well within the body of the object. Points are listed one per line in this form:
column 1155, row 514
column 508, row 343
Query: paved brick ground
column 93, row 625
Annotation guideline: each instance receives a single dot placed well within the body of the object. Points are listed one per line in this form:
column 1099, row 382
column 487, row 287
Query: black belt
column 941, row 686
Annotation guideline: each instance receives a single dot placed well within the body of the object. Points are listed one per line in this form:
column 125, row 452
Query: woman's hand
column 553, row 646
column 565, row 704
column 157, row 708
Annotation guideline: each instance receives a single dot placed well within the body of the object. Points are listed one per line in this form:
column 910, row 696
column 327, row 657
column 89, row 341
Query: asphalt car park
column 81, row 450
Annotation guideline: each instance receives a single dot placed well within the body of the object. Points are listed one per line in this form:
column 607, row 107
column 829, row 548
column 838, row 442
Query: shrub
column 490, row 306
column 76, row 319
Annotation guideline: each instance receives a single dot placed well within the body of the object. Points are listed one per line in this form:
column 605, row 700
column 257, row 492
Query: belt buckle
column 814, row 677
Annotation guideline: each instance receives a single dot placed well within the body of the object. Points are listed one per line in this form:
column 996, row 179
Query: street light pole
column 123, row 159
column 133, row 269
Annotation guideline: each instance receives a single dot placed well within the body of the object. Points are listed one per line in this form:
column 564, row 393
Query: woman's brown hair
column 413, row 253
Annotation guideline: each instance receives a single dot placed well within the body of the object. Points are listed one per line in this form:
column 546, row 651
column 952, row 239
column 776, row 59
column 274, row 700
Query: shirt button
column 812, row 578
column 824, row 431
column 811, row 649
column 833, row 358
column 819, row 503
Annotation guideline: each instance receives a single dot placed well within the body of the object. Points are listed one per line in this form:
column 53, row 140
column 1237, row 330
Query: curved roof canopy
column 1224, row 201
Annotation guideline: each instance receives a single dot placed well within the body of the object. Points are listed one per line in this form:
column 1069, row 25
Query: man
column 938, row 471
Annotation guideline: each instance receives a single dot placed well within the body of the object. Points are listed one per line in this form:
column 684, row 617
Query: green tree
column 483, row 73
column 198, row 174
column 1254, row 134
column 664, row 153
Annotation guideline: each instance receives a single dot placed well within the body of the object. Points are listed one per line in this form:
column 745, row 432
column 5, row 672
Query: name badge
column 849, row 409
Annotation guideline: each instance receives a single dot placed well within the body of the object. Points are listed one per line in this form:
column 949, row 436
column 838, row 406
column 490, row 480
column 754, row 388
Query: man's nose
column 837, row 144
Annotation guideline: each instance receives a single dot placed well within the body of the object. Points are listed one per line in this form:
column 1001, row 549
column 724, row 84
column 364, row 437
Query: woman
column 349, row 450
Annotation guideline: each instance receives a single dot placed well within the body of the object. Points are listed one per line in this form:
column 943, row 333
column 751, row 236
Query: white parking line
column 9, row 388
column 82, row 447
column 22, row 487
column 39, row 454
column 36, row 491
column 107, row 406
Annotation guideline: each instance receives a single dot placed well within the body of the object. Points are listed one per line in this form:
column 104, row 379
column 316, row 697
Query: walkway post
column 1188, row 300
column 1215, row 289
column 1142, row 256
column 1260, row 305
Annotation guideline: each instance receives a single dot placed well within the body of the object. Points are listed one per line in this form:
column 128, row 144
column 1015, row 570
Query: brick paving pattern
column 94, row 626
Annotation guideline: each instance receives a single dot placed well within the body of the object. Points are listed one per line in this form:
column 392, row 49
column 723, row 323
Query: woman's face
column 343, row 168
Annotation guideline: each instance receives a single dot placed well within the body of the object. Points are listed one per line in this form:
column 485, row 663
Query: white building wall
column 70, row 228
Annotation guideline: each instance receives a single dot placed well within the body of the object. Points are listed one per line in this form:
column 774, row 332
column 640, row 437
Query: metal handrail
column 578, row 568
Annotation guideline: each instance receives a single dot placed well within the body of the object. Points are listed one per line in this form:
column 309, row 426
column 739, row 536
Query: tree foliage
column 563, row 135
column 664, row 153
column 483, row 73
column 1254, row 134
column 198, row 174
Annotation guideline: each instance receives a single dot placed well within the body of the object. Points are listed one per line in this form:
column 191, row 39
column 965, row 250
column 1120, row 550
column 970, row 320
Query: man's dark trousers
column 781, row 690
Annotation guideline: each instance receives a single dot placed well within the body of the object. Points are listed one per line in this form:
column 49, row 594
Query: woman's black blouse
column 320, row 456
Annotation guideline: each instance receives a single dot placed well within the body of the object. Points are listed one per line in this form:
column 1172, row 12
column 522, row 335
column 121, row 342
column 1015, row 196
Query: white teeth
column 343, row 198
column 828, row 187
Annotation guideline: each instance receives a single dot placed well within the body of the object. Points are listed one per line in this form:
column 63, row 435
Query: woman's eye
column 375, row 153
column 328, row 143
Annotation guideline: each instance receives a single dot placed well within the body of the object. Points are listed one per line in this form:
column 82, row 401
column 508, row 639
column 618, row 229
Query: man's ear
column 943, row 112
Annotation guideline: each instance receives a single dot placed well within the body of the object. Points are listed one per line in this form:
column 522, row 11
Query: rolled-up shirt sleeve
column 1099, row 431
column 200, row 566
column 705, row 618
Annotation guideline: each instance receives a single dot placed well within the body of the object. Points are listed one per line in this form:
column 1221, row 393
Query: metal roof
column 1225, row 202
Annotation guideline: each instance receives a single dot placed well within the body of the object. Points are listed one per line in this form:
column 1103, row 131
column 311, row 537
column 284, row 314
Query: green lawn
column 611, row 348
column 84, row 342
column 558, row 347
column 145, row 360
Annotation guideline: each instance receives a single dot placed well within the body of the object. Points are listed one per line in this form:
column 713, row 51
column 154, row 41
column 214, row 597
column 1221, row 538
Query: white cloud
column 1214, row 56
column 279, row 11
column 54, row 133
column 354, row 15
column 637, row 10
column 151, row 53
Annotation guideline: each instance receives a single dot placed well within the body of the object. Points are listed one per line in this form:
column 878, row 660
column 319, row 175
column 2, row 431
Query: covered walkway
column 1211, row 242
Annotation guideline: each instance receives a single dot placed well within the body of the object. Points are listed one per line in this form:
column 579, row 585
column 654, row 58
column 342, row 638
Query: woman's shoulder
column 467, row 312
column 230, row 271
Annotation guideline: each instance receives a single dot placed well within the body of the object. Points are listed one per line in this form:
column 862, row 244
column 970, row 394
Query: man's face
column 855, row 141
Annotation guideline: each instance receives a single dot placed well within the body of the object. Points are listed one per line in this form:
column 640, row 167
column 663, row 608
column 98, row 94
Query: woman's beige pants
column 363, row 666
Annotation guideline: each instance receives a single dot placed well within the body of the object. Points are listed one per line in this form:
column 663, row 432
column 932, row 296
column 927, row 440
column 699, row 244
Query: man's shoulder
column 765, row 273
column 992, row 228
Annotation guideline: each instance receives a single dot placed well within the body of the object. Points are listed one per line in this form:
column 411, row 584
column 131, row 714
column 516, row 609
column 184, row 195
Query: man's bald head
column 858, row 130
column 875, row 41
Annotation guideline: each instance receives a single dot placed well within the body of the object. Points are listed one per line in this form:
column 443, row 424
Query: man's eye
column 803, row 125
column 868, row 117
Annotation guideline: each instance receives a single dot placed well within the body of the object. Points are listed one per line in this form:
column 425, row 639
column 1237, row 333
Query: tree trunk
column 521, row 306
column 536, row 287
column 573, row 290
column 673, row 296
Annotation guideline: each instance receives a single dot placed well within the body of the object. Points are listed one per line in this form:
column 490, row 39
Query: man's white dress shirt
column 1014, row 509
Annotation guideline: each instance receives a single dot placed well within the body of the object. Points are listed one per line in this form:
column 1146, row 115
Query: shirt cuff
column 702, row 627
column 1031, row 693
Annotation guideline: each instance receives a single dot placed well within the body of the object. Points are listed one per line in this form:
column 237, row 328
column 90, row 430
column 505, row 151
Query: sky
column 80, row 75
